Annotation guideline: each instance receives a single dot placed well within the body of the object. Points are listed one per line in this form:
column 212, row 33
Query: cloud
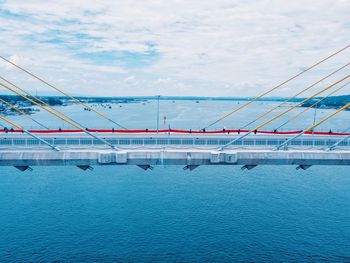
column 176, row 47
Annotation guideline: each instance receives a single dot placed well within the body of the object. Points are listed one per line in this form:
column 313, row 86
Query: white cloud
column 210, row 48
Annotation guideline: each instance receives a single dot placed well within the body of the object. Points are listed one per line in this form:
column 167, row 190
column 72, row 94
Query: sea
column 211, row 214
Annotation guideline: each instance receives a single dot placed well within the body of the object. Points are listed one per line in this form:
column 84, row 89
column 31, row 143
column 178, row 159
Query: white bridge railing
column 176, row 142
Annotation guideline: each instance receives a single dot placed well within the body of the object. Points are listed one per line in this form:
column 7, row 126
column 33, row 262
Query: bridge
column 147, row 149
column 247, row 146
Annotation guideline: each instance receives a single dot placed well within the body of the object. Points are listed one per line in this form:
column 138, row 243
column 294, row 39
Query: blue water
column 213, row 214
column 210, row 214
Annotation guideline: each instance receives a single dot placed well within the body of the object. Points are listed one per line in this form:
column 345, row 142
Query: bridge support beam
column 190, row 167
column 248, row 166
column 23, row 168
column 303, row 167
column 144, row 158
column 145, row 167
column 85, row 167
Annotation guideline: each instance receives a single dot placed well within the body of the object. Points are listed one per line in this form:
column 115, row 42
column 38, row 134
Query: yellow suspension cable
column 24, row 91
column 296, row 95
column 276, row 87
column 29, row 133
column 22, row 112
column 12, row 123
column 42, row 107
column 73, row 123
column 328, row 117
column 279, row 115
column 313, row 105
column 298, row 104
column 37, row 99
column 61, row 91
column 285, row 143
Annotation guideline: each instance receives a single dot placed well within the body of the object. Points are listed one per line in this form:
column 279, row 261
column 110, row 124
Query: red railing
column 224, row 131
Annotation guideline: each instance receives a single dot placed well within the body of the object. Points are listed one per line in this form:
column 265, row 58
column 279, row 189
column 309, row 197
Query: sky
column 173, row 47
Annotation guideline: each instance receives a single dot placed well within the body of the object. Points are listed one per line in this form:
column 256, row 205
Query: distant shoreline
column 26, row 106
column 184, row 98
column 142, row 98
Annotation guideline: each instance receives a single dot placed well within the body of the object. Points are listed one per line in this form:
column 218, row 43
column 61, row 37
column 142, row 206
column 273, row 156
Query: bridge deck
column 182, row 141
column 172, row 157
column 190, row 150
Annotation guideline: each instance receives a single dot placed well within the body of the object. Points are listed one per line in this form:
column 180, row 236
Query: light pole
column 158, row 96
column 315, row 112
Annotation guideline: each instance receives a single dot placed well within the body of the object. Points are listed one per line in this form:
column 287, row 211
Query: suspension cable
column 48, row 110
column 300, row 103
column 296, row 95
column 74, row 124
column 39, row 100
column 282, row 113
column 328, row 117
column 276, row 87
column 62, row 92
column 23, row 113
column 29, row 133
column 313, row 126
column 57, row 112
column 312, row 106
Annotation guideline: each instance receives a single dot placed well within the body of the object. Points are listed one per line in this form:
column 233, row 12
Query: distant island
column 27, row 107
column 23, row 104
column 30, row 108
column 333, row 102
